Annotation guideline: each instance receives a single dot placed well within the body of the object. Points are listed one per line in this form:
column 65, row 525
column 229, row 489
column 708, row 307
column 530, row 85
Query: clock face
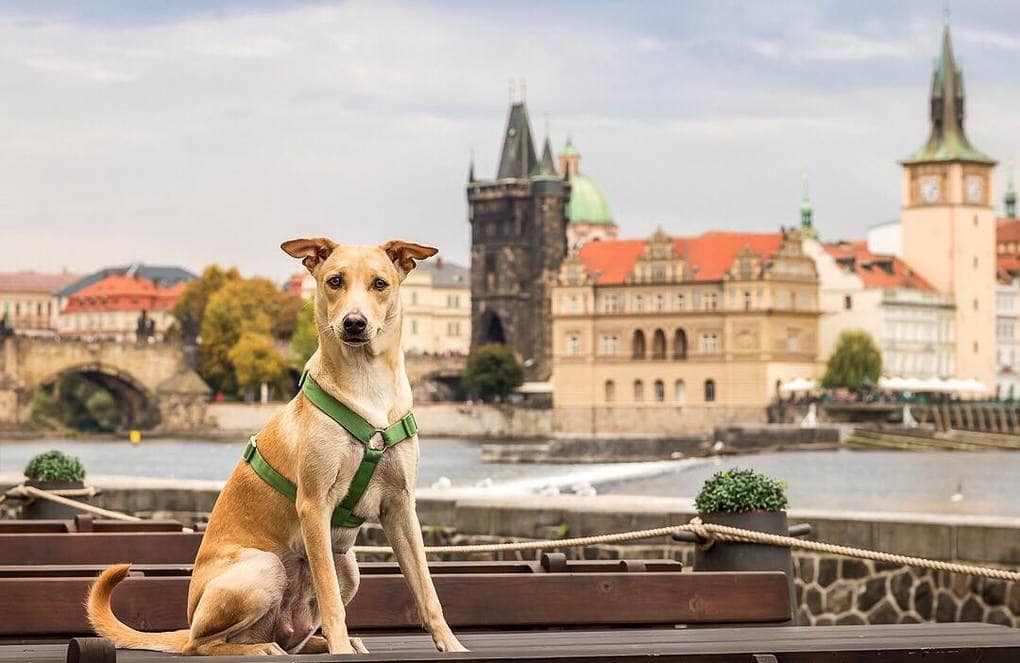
column 930, row 189
column 974, row 190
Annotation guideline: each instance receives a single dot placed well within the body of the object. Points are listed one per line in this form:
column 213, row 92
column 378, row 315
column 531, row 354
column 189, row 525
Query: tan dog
column 267, row 575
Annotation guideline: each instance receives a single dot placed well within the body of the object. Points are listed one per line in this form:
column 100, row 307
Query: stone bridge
column 434, row 377
column 154, row 380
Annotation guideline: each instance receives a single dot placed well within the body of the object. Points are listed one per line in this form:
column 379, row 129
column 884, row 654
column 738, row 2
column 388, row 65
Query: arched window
column 659, row 344
column 660, row 391
column 610, row 391
column 709, row 391
column 680, row 344
column 679, row 392
column 637, row 346
column 639, row 391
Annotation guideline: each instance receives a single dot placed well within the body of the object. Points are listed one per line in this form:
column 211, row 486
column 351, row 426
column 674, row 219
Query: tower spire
column 471, row 167
column 1010, row 197
column 807, row 228
column 948, row 140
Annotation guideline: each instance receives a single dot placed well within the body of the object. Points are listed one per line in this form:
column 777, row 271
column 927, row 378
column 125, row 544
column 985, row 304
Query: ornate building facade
column 681, row 333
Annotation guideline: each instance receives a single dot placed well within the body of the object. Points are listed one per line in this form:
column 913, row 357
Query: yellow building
column 27, row 300
column 674, row 334
column 437, row 309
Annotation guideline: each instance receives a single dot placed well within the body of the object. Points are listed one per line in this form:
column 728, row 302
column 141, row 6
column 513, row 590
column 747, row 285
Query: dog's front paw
column 450, row 645
column 358, row 646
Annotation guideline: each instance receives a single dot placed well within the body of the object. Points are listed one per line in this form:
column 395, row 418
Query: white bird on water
column 958, row 495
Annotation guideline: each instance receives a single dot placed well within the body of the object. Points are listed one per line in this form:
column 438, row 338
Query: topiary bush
column 738, row 491
column 55, row 466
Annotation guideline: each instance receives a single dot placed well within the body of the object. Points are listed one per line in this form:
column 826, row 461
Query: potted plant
column 748, row 500
column 52, row 470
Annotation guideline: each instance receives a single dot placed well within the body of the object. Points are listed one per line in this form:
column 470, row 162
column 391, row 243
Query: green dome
column 587, row 202
column 569, row 150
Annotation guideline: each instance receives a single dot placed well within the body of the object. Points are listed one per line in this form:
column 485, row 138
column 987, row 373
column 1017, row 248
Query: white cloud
column 994, row 38
column 651, row 45
column 83, row 70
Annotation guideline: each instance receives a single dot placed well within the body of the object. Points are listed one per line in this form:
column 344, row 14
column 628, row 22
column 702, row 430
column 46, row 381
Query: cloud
column 997, row 39
column 827, row 46
column 650, row 45
column 82, row 70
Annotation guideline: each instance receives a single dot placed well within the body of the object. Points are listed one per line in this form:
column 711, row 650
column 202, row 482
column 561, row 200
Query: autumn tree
column 189, row 309
column 256, row 360
column 305, row 340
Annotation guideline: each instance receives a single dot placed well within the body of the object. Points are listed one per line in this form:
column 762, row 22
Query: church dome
column 587, row 202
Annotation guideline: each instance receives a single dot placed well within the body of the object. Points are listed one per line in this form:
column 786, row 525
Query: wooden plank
column 54, row 605
column 99, row 548
column 941, row 643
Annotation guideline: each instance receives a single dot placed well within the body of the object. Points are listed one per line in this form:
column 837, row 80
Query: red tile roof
column 1007, row 230
column 875, row 269
column 121, row 292
column 709, row 255
column 34, row 282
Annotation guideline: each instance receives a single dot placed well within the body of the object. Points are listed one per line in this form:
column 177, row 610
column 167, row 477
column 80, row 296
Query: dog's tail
column 107, row 625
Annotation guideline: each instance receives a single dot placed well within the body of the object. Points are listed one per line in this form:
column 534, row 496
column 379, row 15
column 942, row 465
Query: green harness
column 355, row 424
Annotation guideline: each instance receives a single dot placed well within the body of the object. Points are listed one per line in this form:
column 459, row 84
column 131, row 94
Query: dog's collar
column 356, row 425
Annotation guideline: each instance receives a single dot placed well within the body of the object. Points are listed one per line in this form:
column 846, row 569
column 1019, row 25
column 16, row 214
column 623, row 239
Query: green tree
column 305, row 340
column 189, row 309
column 855, row 363
column 256, row 360
column 492, row 371
column 76, row 402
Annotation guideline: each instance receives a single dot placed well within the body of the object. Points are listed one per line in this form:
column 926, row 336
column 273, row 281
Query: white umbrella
column 970, row 385
column 913, row 384
column 891, row 384
column 798, row 384
column 936, row 385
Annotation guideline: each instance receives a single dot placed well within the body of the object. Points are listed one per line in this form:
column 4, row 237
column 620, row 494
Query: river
column 932, row 482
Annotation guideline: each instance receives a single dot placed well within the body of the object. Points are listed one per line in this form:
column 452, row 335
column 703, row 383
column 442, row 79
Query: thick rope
column 711, row 532
column 708, row 531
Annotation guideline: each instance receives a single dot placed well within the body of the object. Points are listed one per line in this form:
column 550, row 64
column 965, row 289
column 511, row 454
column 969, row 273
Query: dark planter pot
column 727, row 556
column 46, row 510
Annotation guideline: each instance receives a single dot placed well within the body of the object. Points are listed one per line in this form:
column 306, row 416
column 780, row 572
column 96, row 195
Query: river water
column 932, row 482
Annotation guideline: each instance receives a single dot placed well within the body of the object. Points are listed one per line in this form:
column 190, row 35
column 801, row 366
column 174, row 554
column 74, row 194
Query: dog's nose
column 355, row 323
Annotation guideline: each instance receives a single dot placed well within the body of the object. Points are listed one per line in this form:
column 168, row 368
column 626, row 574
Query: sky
column 187, row 133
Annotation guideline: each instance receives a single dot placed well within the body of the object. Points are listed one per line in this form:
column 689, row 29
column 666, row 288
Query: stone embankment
column 830, row 589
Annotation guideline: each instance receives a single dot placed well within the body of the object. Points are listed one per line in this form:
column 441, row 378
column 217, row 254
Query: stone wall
column 652, row 419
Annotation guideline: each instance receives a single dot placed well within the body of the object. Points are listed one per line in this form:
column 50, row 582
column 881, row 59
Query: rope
column 57, row 496
column 710, row 532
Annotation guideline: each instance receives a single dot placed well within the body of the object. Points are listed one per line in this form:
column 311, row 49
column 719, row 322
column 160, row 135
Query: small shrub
column 55, row 466
column 738, row 491
column 492, row 372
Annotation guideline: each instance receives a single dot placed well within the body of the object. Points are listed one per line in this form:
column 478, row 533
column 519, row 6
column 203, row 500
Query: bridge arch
column 139, row 405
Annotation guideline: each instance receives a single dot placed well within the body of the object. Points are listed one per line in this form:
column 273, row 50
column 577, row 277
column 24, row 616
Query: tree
column 189, row 309
column 305, row 340
column 855, row 363
column 238, row 307
column 492, row 371
column 256, row 360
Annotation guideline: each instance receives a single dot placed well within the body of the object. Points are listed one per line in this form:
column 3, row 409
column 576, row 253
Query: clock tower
column 948, row 221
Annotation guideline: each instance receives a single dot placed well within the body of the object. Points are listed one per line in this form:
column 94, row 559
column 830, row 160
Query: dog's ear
column 403, row 254
column 312, row 251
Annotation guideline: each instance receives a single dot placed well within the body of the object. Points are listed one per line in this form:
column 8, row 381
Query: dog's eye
column 379, row 284
column 335, row 281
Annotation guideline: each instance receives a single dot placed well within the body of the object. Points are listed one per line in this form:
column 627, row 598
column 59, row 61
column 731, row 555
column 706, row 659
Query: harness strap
column 343, row 515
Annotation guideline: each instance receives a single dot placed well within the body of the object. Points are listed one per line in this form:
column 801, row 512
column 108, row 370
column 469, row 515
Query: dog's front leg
column 314, row 515
column 400, row 523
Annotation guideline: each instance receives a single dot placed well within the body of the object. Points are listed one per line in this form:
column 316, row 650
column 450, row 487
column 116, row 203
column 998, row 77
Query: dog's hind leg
column 237, row 610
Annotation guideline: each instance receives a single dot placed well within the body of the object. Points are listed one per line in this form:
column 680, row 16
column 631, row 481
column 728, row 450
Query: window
column 612, row 304
column 975, row 304
column 848, row 302
column 975, row 262
column 680, row 344
column 659, row 344
column 660, row 303
column 637, row 345
column 709, row 391
column 639, row 391
column 573, row 304
column 679, row 392
column 975, row 347
column 679, row 302
column 453, row 301
column 792, row 342
column 711, row 301
column 710, row 343
column 610, row 390
column 414, row 326
column 660, row 391
column 639, row 303
column 573, row 346
column 747, row 300
column 453, row 328
column 609, row 345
